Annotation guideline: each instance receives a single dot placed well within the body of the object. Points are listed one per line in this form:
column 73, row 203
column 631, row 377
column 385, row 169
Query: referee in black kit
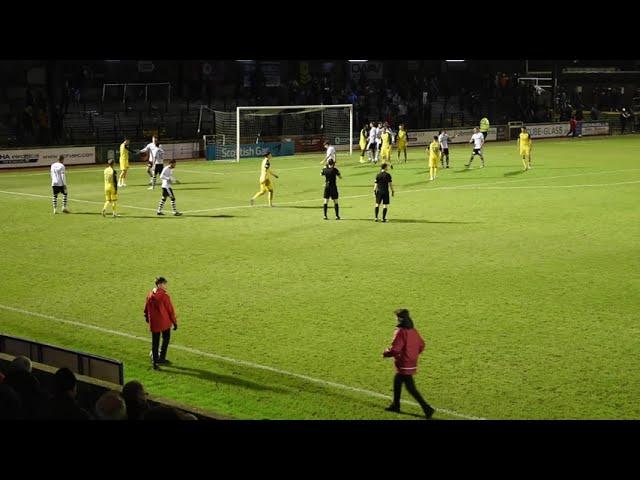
column 331, row 174
column 381, row 191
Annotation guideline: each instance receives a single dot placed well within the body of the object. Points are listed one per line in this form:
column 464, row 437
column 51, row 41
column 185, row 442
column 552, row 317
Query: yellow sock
column 114, row 207
column 106, row 204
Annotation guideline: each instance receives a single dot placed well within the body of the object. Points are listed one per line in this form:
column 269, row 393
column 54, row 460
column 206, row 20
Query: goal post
column 256, row 124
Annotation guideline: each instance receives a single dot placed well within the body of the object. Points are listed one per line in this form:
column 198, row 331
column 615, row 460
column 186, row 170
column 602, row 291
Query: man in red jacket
column 407, row 345
column 160, row 315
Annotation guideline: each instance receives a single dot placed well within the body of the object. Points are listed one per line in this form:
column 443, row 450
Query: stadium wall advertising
column 40, row 157
column 180, row 151
column 548, row 130
column 456, row 135
column 593, row 128
column 228, row 152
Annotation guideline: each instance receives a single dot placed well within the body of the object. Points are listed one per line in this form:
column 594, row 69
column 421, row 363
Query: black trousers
column 155, row 343
column 398, row 380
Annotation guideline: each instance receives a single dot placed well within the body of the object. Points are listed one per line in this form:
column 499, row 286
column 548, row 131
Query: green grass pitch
column 525, row 286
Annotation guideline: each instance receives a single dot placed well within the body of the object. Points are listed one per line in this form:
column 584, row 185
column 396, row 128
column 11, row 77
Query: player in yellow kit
column 364, row 133
column 434, row 157
column 385, row 150
column 124, row 162
column 524, row 144
column 110, row 188
column 402, row 142
column 265, row 179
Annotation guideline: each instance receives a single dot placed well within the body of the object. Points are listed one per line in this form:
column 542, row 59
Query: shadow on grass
column 316, row 207
column 209, row 216
column 514, row 173
column 152, row 215
column 405, row 220
column 197, row 188
column 210, row 376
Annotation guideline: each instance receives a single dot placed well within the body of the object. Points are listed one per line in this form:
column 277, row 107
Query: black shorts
column 158, row 169
column 168, row 192
column 372, row 146
column 477, row 151
column 445, row 151
column 382, row 197
column 57, row 190
column 485, row 134
column 331, row 191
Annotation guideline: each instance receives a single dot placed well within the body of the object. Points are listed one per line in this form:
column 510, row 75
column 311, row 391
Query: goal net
column 300, row 128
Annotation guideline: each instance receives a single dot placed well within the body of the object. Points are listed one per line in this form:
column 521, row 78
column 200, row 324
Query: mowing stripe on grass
column 234, row 361
column 458, row 187
column 48, row 197
column 559, row 186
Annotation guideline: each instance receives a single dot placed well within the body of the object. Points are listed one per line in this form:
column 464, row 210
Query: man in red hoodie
column 407, row 345
column 160, row 315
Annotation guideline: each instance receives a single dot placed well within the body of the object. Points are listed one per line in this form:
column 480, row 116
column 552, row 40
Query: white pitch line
column 457, row 187
column 73, row 200
column 233, row 360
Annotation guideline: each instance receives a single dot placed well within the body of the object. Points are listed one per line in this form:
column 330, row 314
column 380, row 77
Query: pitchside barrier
column 511, row 132
column 81, row 363
column 89, row 390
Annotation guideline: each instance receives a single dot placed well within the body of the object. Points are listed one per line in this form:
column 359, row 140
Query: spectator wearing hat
column 160, row 315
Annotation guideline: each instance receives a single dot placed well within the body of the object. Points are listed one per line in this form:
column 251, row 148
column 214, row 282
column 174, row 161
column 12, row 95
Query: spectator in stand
column 22, row 364
column 32, row 396
column 624, row 118
column 135, row 398
column 63, row 405
column 572, row 127
column 111, row 406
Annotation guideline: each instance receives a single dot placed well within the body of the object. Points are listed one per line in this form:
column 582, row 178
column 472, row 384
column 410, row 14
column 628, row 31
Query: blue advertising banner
column 228, row 152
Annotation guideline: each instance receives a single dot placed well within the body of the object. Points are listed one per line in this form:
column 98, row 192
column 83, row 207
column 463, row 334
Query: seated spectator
column 10, row 404
column 63, row 405
column 161, row 413
column 22, row 364
column 135, row 398
column 111, row 406
column 32, row 396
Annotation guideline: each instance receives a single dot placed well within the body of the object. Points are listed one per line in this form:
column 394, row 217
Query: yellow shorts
column 111, row 195
column 525, row 151
column 363, row 144
column 433, row 162
column 402, row 146
column 266, row 186
column 124, row 165
column 386, row 152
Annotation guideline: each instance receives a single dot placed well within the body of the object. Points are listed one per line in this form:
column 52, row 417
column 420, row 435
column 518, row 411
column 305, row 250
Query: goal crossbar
column 305, row 108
